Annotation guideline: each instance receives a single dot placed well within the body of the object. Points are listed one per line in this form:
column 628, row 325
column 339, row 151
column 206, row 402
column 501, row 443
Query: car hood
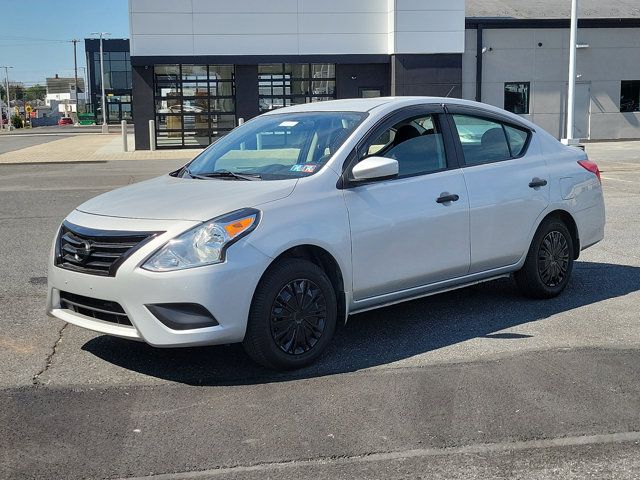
column 171, row 198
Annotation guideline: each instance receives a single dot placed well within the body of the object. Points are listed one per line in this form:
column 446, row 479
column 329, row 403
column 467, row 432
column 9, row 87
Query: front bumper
column 224, row 289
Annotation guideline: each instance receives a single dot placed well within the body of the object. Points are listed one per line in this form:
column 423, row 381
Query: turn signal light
column 239, row 226
column 592, row 167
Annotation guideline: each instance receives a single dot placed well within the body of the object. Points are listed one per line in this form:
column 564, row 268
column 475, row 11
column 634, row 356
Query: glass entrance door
column 113, row 112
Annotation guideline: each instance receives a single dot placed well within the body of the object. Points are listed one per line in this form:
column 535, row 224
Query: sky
column 35, row 34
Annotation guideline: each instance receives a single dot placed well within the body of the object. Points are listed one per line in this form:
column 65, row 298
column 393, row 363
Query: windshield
column 275, row 147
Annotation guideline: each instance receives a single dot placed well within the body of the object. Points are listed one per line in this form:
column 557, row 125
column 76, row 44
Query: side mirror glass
column 374, row 168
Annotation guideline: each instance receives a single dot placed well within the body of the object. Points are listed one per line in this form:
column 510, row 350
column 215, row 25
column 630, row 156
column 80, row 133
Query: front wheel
column 293, row 315
column 549, row 262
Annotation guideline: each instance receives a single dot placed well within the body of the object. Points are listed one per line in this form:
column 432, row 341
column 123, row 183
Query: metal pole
column 125, row 147
column 6, row 71
column 75, row 69
column 152, row 135
column 105, row 127
column 571, row 96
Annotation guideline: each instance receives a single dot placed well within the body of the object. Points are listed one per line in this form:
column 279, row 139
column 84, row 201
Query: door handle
column 537, row 183
column 446, row 198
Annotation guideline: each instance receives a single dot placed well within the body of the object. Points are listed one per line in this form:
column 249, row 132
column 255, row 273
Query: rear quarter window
column 517, row 140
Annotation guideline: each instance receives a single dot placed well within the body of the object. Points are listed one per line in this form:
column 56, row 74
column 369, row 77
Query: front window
column 274, row 147
column 416, row 143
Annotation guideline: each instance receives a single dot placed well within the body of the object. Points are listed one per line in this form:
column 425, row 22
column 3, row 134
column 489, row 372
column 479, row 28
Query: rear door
column 508, row 184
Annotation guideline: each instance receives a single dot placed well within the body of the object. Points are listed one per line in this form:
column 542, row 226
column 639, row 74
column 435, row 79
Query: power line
column 16, row 37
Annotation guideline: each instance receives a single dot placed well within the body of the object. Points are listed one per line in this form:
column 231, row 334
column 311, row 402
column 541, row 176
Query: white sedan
column 307, row 214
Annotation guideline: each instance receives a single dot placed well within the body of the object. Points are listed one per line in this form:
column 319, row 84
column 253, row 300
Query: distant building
column 117, row 78
column 62, row 89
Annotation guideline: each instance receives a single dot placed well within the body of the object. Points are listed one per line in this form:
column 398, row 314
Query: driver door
column 403, row 236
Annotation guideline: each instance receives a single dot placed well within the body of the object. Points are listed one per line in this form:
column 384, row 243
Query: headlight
column 204, row 244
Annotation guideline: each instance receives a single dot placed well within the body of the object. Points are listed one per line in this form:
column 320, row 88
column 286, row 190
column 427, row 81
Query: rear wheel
column 292, row 317
column 549, row 262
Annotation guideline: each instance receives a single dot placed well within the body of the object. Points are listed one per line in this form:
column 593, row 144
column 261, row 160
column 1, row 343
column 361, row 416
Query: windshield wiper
column 225, row 174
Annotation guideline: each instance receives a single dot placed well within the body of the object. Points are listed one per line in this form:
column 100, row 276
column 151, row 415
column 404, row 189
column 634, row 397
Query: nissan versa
column 307, row 214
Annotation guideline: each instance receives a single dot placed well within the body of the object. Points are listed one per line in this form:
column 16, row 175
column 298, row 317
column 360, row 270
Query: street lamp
column 105, row 127
column 571, row 94
column 6, row 71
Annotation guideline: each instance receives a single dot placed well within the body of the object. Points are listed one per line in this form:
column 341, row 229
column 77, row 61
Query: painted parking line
column 479, row 449
column 618, row 180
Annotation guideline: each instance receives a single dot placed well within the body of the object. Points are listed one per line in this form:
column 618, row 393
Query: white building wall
column 295, row 27
column 514, row 55
column 428, row 26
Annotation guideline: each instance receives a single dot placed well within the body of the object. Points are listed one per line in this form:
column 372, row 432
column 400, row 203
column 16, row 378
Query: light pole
column 105, row 127
column 75, row 71
column 6, row 72
column 571, row 94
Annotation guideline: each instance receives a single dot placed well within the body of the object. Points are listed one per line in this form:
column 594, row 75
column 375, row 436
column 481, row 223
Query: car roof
column 346, row 105
column 392, row 103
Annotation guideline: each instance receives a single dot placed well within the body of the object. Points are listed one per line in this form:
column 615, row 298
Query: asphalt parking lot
column 476, row 383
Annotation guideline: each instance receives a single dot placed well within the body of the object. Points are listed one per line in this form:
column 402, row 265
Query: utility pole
column 6, row 71
column 105, row 126
column 75, row 69
column 571, row 94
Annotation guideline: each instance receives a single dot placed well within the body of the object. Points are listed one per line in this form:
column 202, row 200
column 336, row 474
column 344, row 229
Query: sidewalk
column 90, row 148
column 99, row 148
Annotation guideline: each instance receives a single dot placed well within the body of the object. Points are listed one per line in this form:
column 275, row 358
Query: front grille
column 97, row 252
column 104, row 310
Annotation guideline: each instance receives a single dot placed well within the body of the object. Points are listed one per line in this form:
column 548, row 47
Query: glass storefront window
column 194, row 72
column 323, row 70
column 221, row 72
column 194, row 104
column 193, row 89
column 226, row 105
column 323, row 88
column 281, row 85
column 300, row 70
column 166, row 72
column 119, row 81
column 118, row 108
column 270, row 69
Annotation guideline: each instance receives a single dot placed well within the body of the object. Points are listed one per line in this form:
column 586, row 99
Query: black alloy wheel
column 553, row 259
column 293, row 315
column 549, row 262
column 298, row 316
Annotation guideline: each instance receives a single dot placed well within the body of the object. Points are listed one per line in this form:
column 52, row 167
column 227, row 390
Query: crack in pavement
column 482, row 448
column 49, row 359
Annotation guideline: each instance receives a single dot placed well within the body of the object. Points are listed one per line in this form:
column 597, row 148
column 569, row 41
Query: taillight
column 591, row 166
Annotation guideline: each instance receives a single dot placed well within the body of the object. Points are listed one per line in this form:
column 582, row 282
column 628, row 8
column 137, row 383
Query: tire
column 549, row 263
column 293, row 316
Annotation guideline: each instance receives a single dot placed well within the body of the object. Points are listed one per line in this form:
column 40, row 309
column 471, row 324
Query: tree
column 35, row 92
column 16, row 91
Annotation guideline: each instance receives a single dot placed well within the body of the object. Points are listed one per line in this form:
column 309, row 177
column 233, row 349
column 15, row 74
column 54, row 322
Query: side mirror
column 374, row 168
